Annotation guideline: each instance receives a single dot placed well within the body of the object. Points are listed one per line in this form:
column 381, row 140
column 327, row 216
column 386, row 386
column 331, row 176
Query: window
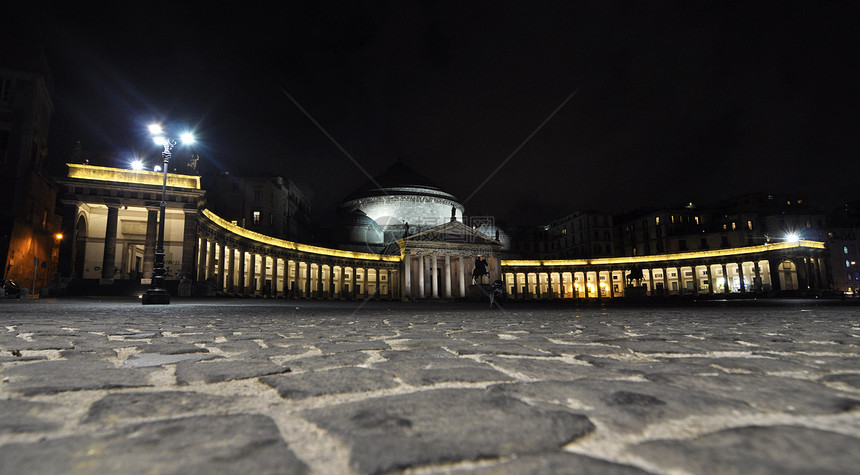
column 5, row 90
column 255, row 217
column 258, row 194
column 845, row 249
column 749, row 224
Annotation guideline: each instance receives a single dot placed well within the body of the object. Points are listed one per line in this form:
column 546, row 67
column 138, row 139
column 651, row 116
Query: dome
column 399, row 202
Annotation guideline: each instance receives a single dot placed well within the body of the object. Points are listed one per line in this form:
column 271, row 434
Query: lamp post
column 157, row 293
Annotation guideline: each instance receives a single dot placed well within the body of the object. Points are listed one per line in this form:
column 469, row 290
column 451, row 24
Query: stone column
column 201, row 259
column 434, row 276
column 274, row 277
column 242, row 280
column 741, row 277
column 331, row 281
column 726, row 283
column 421, row 293
column 308, row 281
column 189, row 240
column 710, row 280
column 221, row 284
column 352, row 278
column 109, row 255
column 252, row 274
column 462, row 269
column 407, row 275
column 231, row 277
column 665, row 280
column 757, row 276
column 447, row 275
column 149, row 242
column 210, row 260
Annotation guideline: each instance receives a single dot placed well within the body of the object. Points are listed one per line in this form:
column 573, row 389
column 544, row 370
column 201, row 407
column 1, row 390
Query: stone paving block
column 755, row 449
column 335, row 360
column 130, row 405
column 624, row 405
column 779, row 394
column 198, row 445
column 442, row 370
column 446, row 425
column 555, row 463
column 848, row 379
column 18, row 415
column 49, row 377
column 216, row 371
column 331, row 381
column 544, row 368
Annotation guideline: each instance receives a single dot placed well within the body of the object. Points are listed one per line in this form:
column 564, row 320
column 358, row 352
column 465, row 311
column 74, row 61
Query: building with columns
column 110, row 216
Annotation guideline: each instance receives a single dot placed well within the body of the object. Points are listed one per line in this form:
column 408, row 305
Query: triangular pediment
column 453, row 232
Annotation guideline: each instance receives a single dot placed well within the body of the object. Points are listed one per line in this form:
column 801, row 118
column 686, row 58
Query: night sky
column 525, row 111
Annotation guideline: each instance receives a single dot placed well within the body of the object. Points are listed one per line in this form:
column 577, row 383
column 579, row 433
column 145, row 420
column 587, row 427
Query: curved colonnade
column 237, row 262
column 771, row 268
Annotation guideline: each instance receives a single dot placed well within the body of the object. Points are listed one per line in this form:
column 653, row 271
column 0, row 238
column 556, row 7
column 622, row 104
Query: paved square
column 261, row 386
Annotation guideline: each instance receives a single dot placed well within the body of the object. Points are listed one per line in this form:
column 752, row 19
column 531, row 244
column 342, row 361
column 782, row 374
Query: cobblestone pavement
column 260, row 386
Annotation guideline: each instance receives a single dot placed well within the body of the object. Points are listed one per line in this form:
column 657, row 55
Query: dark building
column 270, row 205
column 29, row 243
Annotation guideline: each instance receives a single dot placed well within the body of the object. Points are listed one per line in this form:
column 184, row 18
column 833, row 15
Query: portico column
column 421, row 293
column 695, row 280
column 241, row 277
column 665, row 280
column 252, row 273
column 726, row 288
column 149, row 243
column 274, row 277
column 757, row 279
column 109, row 255
column 210, row 260
column 462, row 264
column 201, row 259
column 230, row 283
column 710, row 280
column 352, row 279
column 741, row 277
column 189, row 239
column 447, row 274
column 434, row 276
column 407, row 274
column 331, row 281
column 549, row 290
column 308, row 280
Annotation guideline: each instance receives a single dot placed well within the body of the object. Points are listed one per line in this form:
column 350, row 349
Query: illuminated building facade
column 110, row 217
column 29, row 225
column 112, row 220
column 765, row 269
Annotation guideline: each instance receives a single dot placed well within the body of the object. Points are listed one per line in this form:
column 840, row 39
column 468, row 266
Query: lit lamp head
column 792, row 238
column 136, row 165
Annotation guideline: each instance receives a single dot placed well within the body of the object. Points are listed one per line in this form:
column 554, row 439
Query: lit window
column 845, row 249
column 847, row 263
column 657, row 220
column 734, row 226
column 749, row 225
column 256, row 217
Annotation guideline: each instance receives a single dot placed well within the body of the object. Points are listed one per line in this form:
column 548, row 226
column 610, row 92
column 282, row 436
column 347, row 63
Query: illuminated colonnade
column 234, row 261
column 757, row 269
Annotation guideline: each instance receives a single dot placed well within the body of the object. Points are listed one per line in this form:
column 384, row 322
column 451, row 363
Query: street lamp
column 157, row 293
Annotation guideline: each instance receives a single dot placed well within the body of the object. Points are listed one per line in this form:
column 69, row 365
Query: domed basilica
column 391, row 206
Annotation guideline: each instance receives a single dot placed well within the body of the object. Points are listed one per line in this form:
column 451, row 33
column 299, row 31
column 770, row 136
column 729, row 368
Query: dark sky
column 524, row 110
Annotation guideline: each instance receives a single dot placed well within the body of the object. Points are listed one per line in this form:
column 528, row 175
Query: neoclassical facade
column 111, row 218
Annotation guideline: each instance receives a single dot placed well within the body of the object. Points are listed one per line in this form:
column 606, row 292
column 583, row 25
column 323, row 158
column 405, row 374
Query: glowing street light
column 792, row 238
column 136, row 165
column 157, row 293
